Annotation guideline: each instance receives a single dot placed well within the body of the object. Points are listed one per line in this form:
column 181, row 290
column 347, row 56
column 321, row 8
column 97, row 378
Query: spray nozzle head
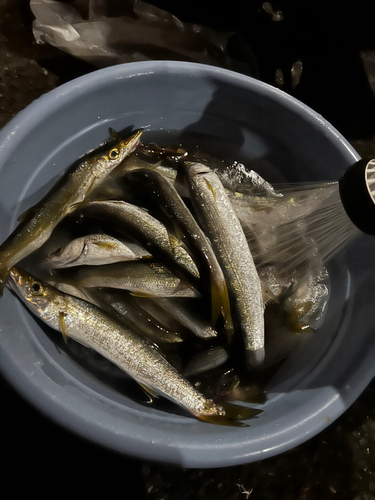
column 357, row 193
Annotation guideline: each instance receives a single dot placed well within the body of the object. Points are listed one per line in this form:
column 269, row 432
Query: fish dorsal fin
column 268, row 296
column 180, row 179
column 114, row 135
column 149, row 392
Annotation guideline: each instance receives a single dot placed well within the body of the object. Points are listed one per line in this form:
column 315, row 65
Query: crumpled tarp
column 103, row 33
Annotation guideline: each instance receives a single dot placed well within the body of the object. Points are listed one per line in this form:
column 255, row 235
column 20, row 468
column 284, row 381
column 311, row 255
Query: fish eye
column 36, row 288
column 114, row 154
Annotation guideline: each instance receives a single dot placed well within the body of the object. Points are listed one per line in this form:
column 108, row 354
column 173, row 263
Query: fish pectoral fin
column 104, row 245
column 210, row 187
column 149, row 392
column 62, row 325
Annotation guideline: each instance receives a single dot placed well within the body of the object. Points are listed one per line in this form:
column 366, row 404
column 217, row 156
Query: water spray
column 312, row 221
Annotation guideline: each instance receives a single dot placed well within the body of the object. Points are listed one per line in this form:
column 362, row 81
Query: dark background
column 336, row 45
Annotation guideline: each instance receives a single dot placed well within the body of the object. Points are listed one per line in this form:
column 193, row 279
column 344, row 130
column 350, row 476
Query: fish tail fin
column 231, row 415
column 3, row 275
column 239, row 412
column 220, row 306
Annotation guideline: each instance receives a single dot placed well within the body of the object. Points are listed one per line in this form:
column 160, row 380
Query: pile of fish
column 145, row 255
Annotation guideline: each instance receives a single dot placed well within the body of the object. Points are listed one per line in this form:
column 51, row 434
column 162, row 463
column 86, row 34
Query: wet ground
column 326, row 58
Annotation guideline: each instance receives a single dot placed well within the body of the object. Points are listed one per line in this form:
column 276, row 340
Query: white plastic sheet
column 135, row 31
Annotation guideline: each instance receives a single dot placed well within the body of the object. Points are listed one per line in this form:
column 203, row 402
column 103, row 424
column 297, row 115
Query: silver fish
column 37, row 223
column 95, row 250
column 139, row 358
column 112, row 187
column 150, row 233
column 222, row 226
column 155, row 186
column 125, row 309
column 142, row 279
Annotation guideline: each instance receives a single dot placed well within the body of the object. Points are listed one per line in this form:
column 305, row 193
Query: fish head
column 107, row 161
column 67, row 254
column 35, row 294
column 123, row 147
column 192, row 168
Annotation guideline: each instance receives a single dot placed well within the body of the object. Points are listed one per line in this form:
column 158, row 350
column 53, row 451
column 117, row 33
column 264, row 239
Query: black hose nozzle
column 357, row 193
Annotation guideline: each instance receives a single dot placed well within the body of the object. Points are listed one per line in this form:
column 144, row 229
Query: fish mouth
column 15, row 279
column 54, row 259
column 132, row 141
column 15, row 274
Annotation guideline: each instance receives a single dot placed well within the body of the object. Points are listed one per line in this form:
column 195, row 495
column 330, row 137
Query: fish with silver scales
column 140, row 358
